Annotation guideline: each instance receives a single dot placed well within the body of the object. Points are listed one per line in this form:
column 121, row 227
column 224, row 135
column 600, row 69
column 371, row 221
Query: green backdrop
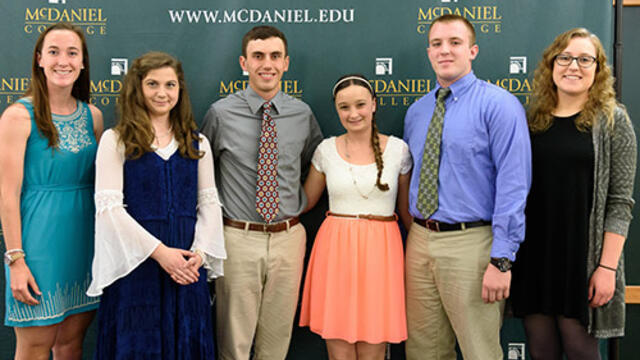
column 384, row 40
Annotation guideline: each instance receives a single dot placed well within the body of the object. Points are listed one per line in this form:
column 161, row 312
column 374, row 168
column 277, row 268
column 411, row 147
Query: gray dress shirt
column 232, row 125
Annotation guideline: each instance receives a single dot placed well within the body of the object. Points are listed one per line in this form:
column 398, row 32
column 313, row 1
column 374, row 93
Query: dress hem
column 353, row 340
column 55, row 319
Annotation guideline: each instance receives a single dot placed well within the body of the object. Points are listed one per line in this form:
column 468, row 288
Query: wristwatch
column 503, row 264
column 13, row 255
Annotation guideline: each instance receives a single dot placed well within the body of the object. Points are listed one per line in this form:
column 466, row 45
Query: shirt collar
column 460, row 86
column 256, row 101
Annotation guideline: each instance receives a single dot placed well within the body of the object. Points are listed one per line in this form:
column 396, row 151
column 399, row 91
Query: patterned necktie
column 267, row 183
column 428, row 188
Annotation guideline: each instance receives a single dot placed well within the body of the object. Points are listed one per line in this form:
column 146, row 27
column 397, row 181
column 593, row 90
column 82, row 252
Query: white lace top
column 344, row 197
column 121, row 244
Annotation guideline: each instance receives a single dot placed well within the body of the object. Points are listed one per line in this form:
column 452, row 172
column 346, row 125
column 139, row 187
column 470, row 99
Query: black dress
column 549, row 274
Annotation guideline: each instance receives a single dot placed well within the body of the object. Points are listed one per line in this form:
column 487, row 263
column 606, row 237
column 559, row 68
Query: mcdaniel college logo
column 92, row 20
column 486, row 19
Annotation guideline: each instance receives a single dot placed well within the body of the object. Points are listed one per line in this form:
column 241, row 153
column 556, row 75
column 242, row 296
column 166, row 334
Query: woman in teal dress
column 48, row 142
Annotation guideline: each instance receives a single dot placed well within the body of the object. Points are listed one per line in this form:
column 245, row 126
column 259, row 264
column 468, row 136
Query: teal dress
column 57, row 214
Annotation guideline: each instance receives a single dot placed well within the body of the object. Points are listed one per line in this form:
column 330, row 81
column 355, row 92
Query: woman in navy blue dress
column 158, row 222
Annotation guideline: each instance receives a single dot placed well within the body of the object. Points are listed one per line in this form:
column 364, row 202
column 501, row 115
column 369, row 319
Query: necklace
column 353, row 178
column 158, row 136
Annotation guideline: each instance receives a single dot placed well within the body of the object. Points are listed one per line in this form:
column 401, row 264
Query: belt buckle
column 433, row 223
column 265, row 226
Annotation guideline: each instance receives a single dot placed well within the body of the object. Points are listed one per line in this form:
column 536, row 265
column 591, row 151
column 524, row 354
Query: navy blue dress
column 146, row 315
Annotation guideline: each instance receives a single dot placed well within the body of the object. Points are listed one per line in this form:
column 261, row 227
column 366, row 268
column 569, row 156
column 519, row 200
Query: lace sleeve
column 208, row 234
column 406, row 162
column 121, row 244
column 208, row 196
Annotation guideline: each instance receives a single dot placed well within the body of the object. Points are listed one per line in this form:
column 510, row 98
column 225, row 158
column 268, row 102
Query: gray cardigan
column 614, row 174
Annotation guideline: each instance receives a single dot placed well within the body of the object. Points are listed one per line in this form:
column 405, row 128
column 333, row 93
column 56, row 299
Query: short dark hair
column 263, row 32
column 447, row 18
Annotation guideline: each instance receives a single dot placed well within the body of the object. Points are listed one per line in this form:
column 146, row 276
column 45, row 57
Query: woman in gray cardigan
column 568, row 281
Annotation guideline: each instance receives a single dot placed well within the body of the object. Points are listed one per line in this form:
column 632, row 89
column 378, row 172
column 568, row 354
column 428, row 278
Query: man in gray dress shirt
column 258, row 295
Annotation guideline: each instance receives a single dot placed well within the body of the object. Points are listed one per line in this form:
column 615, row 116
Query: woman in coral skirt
column 354, row 291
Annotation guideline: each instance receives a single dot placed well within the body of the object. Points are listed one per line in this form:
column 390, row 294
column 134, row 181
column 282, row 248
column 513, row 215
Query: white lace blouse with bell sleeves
column 121, row 244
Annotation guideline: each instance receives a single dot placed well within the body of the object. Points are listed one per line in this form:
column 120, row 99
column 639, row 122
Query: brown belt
column 268, row 228
column 366, row 217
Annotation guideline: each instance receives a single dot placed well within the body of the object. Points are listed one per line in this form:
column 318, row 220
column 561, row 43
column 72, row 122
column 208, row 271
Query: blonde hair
column 601, row 98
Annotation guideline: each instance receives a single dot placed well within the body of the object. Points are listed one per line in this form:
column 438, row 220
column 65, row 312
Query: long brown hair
column 38, row 86
column 601, row 97
column 359, row 80
column 134, row 126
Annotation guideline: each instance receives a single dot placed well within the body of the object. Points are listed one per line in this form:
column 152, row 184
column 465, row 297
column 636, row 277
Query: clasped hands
column 181, row 265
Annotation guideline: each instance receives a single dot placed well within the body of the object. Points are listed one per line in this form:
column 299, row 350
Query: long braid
column 375, row 144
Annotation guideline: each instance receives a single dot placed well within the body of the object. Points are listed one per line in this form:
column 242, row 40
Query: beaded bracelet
column 9, row 252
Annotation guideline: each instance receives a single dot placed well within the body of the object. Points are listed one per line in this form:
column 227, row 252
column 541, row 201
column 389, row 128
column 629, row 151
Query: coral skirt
column 354, row 288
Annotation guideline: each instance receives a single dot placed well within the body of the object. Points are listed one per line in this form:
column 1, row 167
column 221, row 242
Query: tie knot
column 266, row 107
column 443, row 93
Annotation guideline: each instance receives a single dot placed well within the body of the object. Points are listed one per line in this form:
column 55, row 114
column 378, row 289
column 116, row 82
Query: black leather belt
column 442, row 226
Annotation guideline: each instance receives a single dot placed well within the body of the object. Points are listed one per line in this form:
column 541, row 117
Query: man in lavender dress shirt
column 459, row 257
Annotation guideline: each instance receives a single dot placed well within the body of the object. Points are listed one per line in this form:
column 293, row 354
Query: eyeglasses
column 584, row 61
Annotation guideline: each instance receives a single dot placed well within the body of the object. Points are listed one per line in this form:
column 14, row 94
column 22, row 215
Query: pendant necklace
column 157, row 137
column 353, row 178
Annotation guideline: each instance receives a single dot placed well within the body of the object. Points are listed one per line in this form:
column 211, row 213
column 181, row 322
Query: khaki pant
column 444, row 295
column 258, row 294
